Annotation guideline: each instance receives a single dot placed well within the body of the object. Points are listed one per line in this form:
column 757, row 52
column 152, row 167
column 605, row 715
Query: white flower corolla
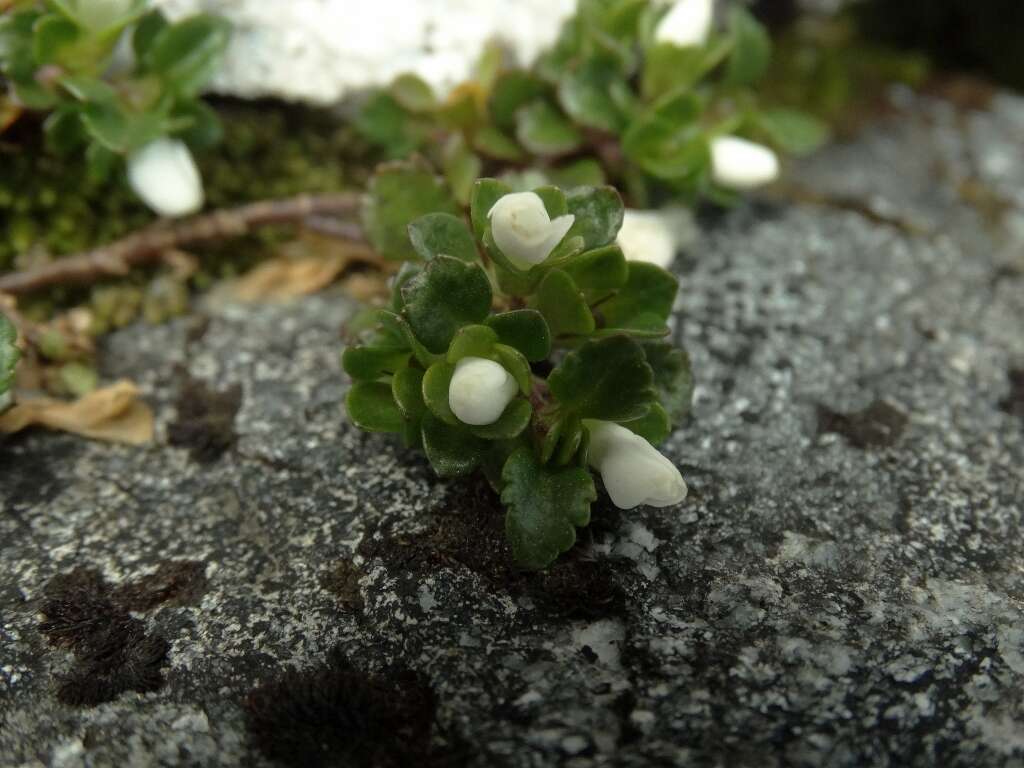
column 523, row 230
column 740, row 164
column 165, row 176
column 687, row 23
column 633, row 471
column 654, row 236
column 479, row 391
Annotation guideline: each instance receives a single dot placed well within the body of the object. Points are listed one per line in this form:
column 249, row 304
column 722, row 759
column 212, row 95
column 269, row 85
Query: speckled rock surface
column 843, row 586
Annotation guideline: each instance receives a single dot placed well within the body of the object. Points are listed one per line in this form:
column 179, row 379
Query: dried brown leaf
column 113, row 414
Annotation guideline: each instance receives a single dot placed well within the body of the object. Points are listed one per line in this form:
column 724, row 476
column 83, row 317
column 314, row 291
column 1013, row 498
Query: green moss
column 51, row 206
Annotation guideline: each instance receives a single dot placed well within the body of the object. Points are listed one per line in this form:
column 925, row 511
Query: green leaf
column 461, row 167
column 85, row 88
column 407, row 389
column 17, row 60
column 202, row 128
column 493, row 143
column 146, row 31
column 436, row 382
column 486, row 192
column 99, row 162
column 463, row 109
column 606, row 379
column 585, row 95
column 793, row 131
column 384, row 122
column 751, row 51
column 372, row 407
column 512, row 360
column 525, row 330
column 598, row 212
column 645, row 301
column 545, row 506
column 447, row 295
column 513, row 420
column 413, row 93
column 451, row 450
column 668, row 141
column 654, row 426
column 398, row 194
column 674, row 69
column 51, row 36
column 185, row 54
column 438, row 234
column 472, row 341
column 563, row 306
column 554, row 199
column 371, row 362
column 585, row 172
column 513, row 89
column 599, row 270
column 63, row 130
column 545, row 131
column 9, row 355
column 397, row 327
column 673, row 378
column 119, row 131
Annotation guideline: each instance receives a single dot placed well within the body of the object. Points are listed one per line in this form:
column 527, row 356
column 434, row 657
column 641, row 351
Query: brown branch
column 147, row 245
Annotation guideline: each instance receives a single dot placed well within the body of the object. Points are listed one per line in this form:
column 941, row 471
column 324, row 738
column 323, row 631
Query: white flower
column 634, row 472
column 687, row 23
column 479, row 391
column 523, row 230
column 654, row 236
column 5, row 400
column 165, row 176
column 740, row 164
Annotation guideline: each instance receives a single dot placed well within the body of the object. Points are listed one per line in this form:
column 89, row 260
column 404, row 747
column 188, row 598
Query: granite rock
column 842, row 587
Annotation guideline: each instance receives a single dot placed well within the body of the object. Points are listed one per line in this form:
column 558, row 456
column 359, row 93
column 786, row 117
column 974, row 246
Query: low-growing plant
column 653, row 97
column 521, row 343
column 8, row 360
column 62, row 57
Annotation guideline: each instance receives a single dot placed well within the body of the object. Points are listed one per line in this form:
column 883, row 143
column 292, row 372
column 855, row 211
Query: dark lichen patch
column 343, row 581
column 1013, row 403
column 175, row 582
column 337, row 715
column 27, row 474
column 467, row 531
column 113, row 652
column 206, row 420
column 877, row 426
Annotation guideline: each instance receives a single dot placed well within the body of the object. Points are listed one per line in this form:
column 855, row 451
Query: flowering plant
column 656, row 98
column 523, row 344
column 62, row 57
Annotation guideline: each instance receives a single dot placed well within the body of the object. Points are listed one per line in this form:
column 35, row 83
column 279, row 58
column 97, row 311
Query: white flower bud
column 634, row 472
column 479, row 391
column 523, row 230
column 740, row 164
column 654, row 236
column 164, row 175
column 687, row 23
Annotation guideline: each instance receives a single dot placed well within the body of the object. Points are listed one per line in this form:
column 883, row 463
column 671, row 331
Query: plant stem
column 148, row 244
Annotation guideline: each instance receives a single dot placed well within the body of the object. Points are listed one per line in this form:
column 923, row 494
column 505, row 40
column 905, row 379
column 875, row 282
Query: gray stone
column 842, row 587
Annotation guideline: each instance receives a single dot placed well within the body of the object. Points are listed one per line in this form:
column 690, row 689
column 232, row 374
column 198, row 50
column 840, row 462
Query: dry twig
column 148, row 244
